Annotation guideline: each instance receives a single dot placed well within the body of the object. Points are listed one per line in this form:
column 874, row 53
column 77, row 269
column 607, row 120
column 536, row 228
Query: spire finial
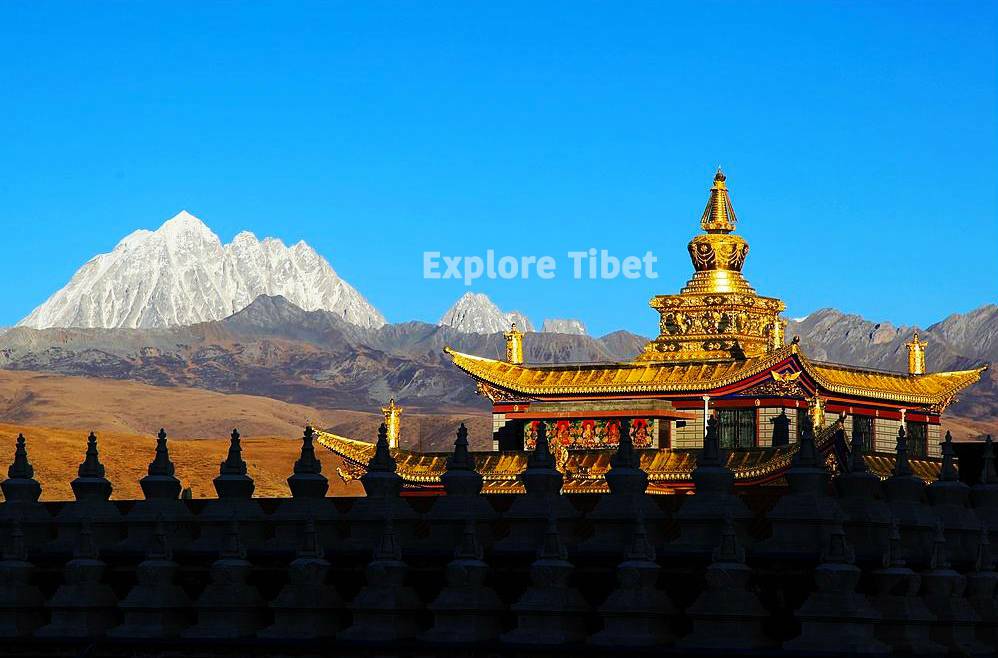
column 640, row 548
column 469, row 548
column 91, row 466
column 388, row 548
column 382, row 461
column 541, row 456
column 939, row 559
column 894, row 557
column 307, row 462
column 988, row 474
column 711, row 453
column 916, row 355
column 233, row 464
column 16, row 550
column 21, row 468
column 901, row 465
column 719, row 215
column 552, row 548
column 984, row 561
column 233, row 548
column 514, row 345
column 729, row 549
column 807, row 453
column 460, row 459
column 948, row 472
column 393, row 422
column 625, row 456
column 160, row 549
column 310, row 545
column 857, row 458
column 86, row 549
column 161, row 464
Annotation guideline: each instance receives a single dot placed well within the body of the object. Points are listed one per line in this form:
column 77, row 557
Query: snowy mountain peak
column 563, row 326
column 475, row 313
column 182, row 274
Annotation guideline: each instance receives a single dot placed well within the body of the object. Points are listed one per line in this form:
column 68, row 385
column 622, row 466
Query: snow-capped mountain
column 475, row 313
column 563, row 326
column 182, row 274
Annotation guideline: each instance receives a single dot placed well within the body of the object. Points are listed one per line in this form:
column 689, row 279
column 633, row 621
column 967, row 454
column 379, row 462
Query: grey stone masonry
column 905, row 622
column 156, row 607
column 21, row 602
column 466, row 610
column 551, row 611
column 386, row 607
column 84, row 606
column 229, row 607
column 307, row 606
column 637, row 613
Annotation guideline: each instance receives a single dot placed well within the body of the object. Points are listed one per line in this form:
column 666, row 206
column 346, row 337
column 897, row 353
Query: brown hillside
column 56, row 454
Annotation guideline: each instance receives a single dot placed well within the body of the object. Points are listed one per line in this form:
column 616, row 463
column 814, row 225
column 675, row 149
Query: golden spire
column 817, row 411
column 717, row 315
column 916, row 355
column 514, row 345
column 393, row 422
column 719, row 215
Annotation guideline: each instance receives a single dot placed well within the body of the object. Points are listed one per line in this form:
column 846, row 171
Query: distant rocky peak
column 563, row 326
column 181, row 274
column 475, row 313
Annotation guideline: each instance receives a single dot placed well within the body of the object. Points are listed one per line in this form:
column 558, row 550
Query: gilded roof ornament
column 719, row 215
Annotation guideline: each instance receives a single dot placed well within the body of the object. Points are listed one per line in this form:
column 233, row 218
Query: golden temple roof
column 657, row 377
column 668, row 470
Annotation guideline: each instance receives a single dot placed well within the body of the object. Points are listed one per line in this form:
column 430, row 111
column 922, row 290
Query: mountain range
column 182, row 274
column 276, row 349
column 176, row 307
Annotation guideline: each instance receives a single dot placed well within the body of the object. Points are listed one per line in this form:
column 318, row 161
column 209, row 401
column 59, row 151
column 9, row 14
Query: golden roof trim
column 646, row 377
column 501, row 470
column 494, row 372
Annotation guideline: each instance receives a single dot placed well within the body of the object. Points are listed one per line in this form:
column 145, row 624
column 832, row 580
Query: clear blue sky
column 859, row 140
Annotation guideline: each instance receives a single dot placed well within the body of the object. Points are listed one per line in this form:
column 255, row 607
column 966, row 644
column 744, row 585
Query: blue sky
column 859, row 140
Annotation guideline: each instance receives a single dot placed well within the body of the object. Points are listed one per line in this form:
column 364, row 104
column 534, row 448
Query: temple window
column 862, row 426
column 801, row 419
column 737, row 428
column 918, row 439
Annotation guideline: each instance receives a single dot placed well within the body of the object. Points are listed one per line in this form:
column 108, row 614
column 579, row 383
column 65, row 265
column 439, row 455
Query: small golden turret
column 514, row 345
column 393, row 422
column 777, row 334
column 817, row 411
column 916, row 355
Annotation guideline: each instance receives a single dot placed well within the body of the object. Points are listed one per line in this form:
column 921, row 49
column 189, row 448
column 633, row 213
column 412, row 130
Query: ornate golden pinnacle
column 514, row 345
column 717, row 315
column 916, row 355
column 393, row 422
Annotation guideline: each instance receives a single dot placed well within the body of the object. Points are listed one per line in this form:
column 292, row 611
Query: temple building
column 721, row 350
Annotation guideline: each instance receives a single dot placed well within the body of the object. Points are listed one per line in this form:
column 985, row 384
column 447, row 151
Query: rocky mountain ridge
column 182, row 274
column 276, row 349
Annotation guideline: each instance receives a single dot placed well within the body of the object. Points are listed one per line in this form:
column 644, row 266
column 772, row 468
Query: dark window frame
column 739, row 428
column 917, row 434
column 866, row 431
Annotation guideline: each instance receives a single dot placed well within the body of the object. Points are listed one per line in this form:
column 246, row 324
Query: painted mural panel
column 591, row 433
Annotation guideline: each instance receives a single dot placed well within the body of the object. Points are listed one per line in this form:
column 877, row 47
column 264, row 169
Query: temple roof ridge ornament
column 719, row 215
